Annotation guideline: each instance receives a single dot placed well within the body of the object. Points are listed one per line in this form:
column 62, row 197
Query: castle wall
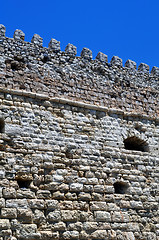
column 58, row 166
column 31, row 67
column 78, row 144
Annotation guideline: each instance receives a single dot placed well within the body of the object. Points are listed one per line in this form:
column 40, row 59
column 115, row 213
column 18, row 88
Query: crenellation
column 78, row 144
column 155, row 71
column 19, row 35
column 71, row 49
column 86, row 54
column 130, row 64
column 143, row 68
column 54, row 45
column 102, row 57
column 37, row 40
column 2, row 31
column 116, row 61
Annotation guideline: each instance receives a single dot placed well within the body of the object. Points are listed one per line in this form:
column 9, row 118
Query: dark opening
column 14, row 65
column 45, row 58
column 120, row 187
column 24, row 183
column 69, row 154
column 2, row 125
column 137, row 144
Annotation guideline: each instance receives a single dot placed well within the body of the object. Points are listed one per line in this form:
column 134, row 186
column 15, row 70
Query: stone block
column 9, row 213
column 102, row 206
column 19, row 35
column 36, row 39
column 52, row 204
column 2, row 202
column 136, row 204
column 90, row 226
column 60, row 226
column 130, row 64
column 9, row 193
column 16, row 203
column 76, row 187
column 102, row 216
column 102, row 57
column 2, row 31
column 155, row 71
column 120, row 217
column 99, row 234
column 28, row 231
column 54, row 216
column 143, row 68
column 36, row 203
column 44, row 194
column 69, row 216
column 25, row 193
column 24, row 215
column 71, row 49
column 54, row 45
column 116, row 61
column 39, row 217
column 4, row 224
column 84, row 196
column 71, row 235
column 86, row 54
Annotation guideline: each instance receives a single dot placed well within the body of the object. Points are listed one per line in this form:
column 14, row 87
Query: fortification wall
column 31, row 67
column 59, row 164
column 72, row 167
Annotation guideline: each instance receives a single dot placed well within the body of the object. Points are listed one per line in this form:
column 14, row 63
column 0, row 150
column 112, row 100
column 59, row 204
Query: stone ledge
column 79, row 104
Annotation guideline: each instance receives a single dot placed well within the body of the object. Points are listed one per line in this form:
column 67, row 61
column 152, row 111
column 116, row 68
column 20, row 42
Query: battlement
column 78, row 144
column 31, row 67
column 71, row 50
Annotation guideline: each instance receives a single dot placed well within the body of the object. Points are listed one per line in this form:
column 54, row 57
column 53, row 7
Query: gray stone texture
column 71, row 49
column 102, row 57
column 2, row 30
column 65, row 171
column 54, row 45
column 86, row 53
column 36, row 39
column 19, row 35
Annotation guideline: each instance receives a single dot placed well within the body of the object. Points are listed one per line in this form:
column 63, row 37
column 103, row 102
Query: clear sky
column 125, row 28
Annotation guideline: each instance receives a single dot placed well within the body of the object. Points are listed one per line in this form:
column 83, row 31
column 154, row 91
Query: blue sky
column 125, row 28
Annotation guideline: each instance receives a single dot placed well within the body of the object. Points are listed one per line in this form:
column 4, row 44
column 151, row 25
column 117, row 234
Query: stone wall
column 73, row 163
column 31, row 67
column 61, row 168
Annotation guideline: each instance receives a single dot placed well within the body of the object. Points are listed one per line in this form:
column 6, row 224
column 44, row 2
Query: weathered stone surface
column 130, row 64
column 102, row 216
column 2, row 30
column 54, row 45
column 19, row 35
column 36, row 39
column 78, row 145
column 71, row 49
column 86, row 53
column 69, row 216
column 116, row 61
column 4, row 224
column 102, row 57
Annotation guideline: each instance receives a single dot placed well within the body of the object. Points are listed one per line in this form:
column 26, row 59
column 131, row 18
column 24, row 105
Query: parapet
column 86, row 53
column 31, row 67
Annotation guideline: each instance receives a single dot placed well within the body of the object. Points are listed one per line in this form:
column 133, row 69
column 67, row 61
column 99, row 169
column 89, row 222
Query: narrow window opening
column 2, row 125
column 120, row 187
column 137, row 144
column 24, row 183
